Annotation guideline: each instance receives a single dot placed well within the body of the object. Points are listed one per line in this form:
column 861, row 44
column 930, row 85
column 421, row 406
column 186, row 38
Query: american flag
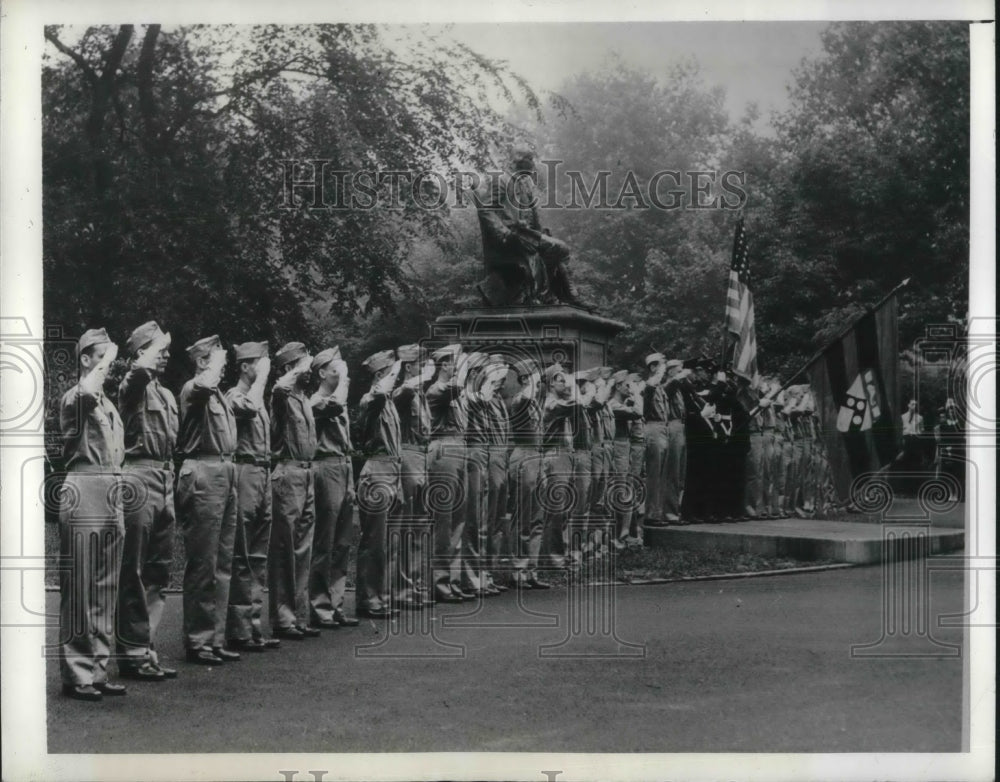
column 739, row 310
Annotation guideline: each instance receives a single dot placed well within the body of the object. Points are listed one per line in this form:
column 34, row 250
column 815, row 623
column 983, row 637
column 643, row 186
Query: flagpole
column 740, row 228
column 843, row 332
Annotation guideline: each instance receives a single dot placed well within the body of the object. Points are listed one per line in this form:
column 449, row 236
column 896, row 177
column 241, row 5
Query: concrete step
column 811, row 539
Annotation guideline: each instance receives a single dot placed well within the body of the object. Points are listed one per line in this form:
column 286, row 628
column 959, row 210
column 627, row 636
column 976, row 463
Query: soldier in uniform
column 244, row 632
column 206, row 503
column 446, row 478
column 666, row 463
column 476, row 399
column 149, row 414
column 293, row 447
column 410, row 582
column 637, row 460
column 524, row 265
column 655, row 406
column 525, row 471
column 334, row 487
column 604, row 458
column 793, row 479
column 783, row 465
column 496, row 474
column 582, row 424
column 91, row 524
column 378, row 484
column 561, row 406
column 810, row 465
column 625, row 409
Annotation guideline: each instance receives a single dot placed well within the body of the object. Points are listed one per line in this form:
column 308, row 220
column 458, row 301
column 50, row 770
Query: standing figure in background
column 911, row 456
column 949, row 441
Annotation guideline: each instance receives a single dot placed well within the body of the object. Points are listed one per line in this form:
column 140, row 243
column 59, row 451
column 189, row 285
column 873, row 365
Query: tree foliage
column 163, row 152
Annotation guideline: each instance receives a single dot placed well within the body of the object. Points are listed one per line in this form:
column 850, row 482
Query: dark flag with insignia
column 855, row 384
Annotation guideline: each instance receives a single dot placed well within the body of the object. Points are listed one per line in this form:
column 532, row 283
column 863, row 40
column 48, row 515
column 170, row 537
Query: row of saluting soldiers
column 467, row 488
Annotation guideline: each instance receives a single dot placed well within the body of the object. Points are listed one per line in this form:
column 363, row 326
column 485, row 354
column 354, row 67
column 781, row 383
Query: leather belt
column 94, row 469
column 211, row 457
column 142, row 461
column 258, row 461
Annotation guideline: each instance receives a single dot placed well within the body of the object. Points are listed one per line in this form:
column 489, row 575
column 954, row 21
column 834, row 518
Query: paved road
column 759, row 664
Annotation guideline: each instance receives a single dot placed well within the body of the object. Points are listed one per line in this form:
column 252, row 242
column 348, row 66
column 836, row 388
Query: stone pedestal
column 575, row 338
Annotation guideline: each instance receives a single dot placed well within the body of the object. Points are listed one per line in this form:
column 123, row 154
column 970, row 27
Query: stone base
column 803, row 539
column 574, row 337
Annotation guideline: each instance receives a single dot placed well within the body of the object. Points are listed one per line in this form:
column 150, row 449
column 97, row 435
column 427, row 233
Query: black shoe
column 110, row 688
column 245, row 644
column 269, row 643
column 82, row 692
column 447, row 597
column 291, row 633
column 203, row 656
column 500, row 587
column 343, row 620
column 309, row 632
column 225, row 654
column 168, row 673
column 537, row 583
column 462, row 593
column 332, row 624
column 146, row 672
column 412, row 604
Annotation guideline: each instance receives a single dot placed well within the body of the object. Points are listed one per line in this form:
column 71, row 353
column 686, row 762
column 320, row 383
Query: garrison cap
column 524, row 366
column 408, row 353
column 378, row 361
column 605, row 372
column 143, row 335
column 675, row 363
column 654, row 357
column 620, row 375
column 293, row 351
column 497, row 371
column 204, row 347
column 324, row 357
column 635, row 377
column 91, row 337
column 475, row 360
column 447, row 352
column 552, row 370
column 589, row 375
column 250, row 351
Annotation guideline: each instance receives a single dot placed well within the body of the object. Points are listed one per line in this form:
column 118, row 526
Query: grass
column 629, row 565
